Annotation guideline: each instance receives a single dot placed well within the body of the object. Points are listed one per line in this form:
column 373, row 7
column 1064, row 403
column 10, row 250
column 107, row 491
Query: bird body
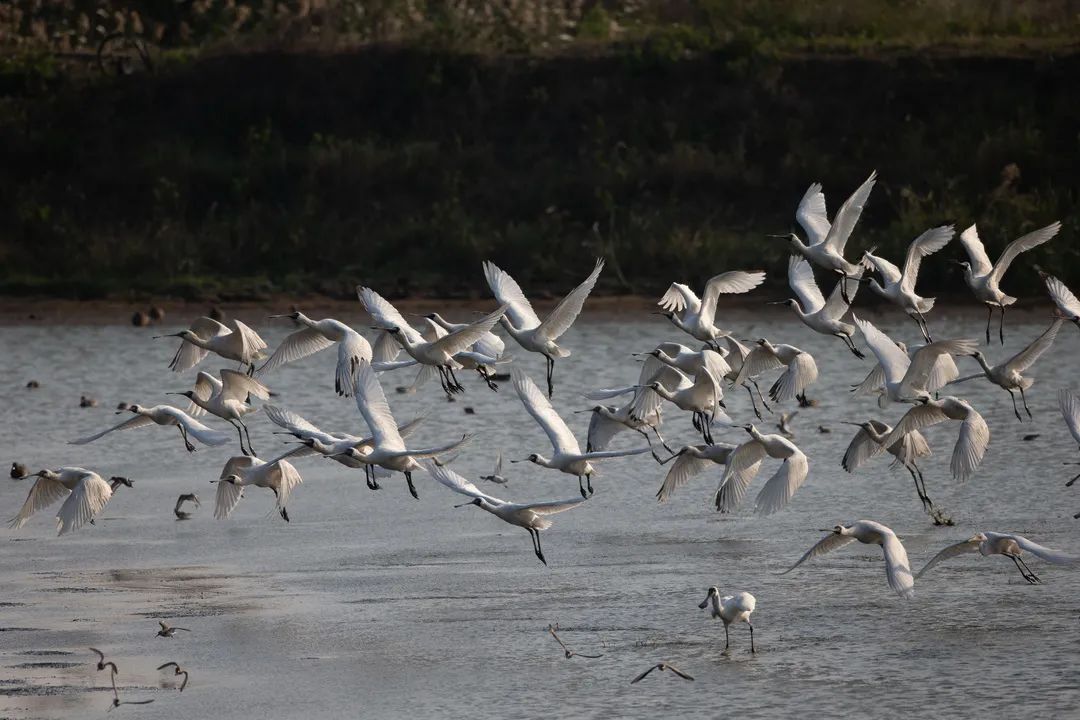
column 496, row 475
column 869, row 532
column 905, row 379
column 697, row 317
column 691, row 460
column 1009, row 375
column 801, row 369
column 970, row 444
column 86, row 494
column 731, row 609
column 898, row 287
column 942, row 372
column 744, row 463
column 317, row 335
column 240, row 471
column 227, row 398
column 166, row 416
column 869, row 442
column 232, row 341
column 813, row 310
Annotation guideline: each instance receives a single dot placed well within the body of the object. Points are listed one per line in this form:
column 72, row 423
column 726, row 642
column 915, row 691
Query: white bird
column 607, row 421
column 942, row 372
column 970, row 444
column 826, row 242
column 817, row 314
column 233, row 341
column 524, row 325
column 731, row 609
column 1068, row 306
column 689, row 361
column 984, row 278
column 496, row 475
column 490, row 344
column 318, row 335
column 735, row 357
column 1070, row 410
column 440, row 353
column 389, row 449
column 702, row 396
column 899, row 286
column 566, row 456
column 691, row 460
column 87, row 494
column 897, row 568
column 906, row 378
column 1007, row 544
column 278, row 475
column 869, row 442
column 698, row 317
column 1009, row 375
column 801, row 370
column 471, row 358
column 744, row 463
column 164, row 415
column 226, row 398
column 334, row 445
column 531, row 516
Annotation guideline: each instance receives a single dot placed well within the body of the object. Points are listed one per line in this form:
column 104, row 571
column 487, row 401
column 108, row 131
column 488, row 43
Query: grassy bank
column 241, row 174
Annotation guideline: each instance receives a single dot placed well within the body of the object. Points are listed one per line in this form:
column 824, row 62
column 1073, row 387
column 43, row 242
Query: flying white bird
column 906, row 378
column 524, row 325
column 318, row 335
column 731, row 609
column 226, row 398
column 531, row 516
column 607, row 421
column 826, row 243
column 1067, row 305
column 389, row 449
column 983, row 277
column 1009, row 375
column 897, row 569
column 801, row 370
column 691, row 460
column 736, row 356
column 942, row 372
column 470, row 358
column 970, row 444
column 702, row 396
column 899, row 287
column 490, row 344
column 1007, row 544
column 1070, row 410
column 869, row 442
column 87, row 494
column 817, row 314
column 334, row 445
column 744, row 463
column 232, row 341
column 689, row 361
column 496, row 475
column 440, row 353
column 164, row 415
column 566, row 456
column 698, row 317
column 278, row 475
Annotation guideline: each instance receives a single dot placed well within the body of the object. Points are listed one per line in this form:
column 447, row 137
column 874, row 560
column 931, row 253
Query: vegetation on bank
column 670, row 137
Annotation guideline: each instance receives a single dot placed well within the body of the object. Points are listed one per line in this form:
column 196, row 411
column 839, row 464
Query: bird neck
column 196, row 340
column 983, row 364
column 873, row 283
column 509, row 327
column 543, row 461
column 304, row 319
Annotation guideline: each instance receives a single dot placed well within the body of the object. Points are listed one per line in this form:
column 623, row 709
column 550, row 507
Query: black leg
column 989, row 317
column 550, row 376
column 843, row 287
column 412, row 488
column 753, row 400
column 247, row 435
column 588, row 483
column 661, row 439
column 187, row 443
column 1001, row 326
column 239, row 434
column 727, row 637
column 581, row 487
column 1026, row 409
column 1031, row 575
column 539, row 550
column 760, row 396
column 1016, row 412
column 752, row 648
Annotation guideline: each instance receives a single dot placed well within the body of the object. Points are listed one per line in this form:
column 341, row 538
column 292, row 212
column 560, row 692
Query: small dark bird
column 140, row 319
column 33, row 385
column 823, row 430
column 805, row 402
column 101, row 664
column 121, row 405
column 178, row 671
column 167, row 631
column 157, row 314
column 569, row 653
column 187, row 497
column 661, row 667
column 469, row 411
column 1030, row 437
column 86, row 401
column 18, row 470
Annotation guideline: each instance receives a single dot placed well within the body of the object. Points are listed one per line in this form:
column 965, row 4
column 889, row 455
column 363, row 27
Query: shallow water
column 377, row 604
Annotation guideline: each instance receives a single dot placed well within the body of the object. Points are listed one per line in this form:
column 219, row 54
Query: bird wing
column 407, row 429
column 943, row 372
column 250, row 342
column 194, row 428
column 924, row 360
column 295, row 424
column 742, row 467
column 677, row 671
column 87, row 499
column 913, row 446
column 537, row 405
column 462, row 339
column 894, row 361
column 812, row 215
column 848, row 215
column 285, row 477
column 862, row 447
column 237, row 464
column 371, row 401
column 43, row 493
column 980, row 261
column 386, row 348
column 190, row 355
column 897, row 567
column 780, row 488
column 601, row 430
column 1048, row 554
column 873, row 382
column 445, row 476
column 1070, row 410
column 351, row 351
column 732, row 282
column 679, row 297
column 432, row 331
column 889, row 272
column 642, row 675
column 168, row 664
column 684, row 468
column 553, row 507
column 836, row 305
column 296, row 345
column 926, row 244
column 498, row 466
column 238, row 386
column 1027, row 357
column 917, row 418
column 802, row 282
column 491, row 345
column 801, row 373
column 433, row 452
column 508, row 292
column 970, row 446
column 830, row 542
column 715, row 363
column 386, row 315
column 227, row 497
column 601, row 454
column 1022, row 244
column 205, row 387
column 137, row 421
column 960, row 548
column 1062, row 297
column 758, row 361
column 566, row 312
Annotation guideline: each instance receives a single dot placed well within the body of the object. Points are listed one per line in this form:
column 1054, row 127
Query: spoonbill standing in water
column 731, row 609
column 317, row 335
column 524, row 324
column 869, row 532
column 233, row 341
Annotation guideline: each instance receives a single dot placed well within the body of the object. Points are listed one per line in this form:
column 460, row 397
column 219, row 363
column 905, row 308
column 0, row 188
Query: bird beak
column 520, row 461
column 779, row 237
column 704, row 602
column 463, row 505
column 271, row 317
column 776, row 302
column 155, row 337
column 171, row 393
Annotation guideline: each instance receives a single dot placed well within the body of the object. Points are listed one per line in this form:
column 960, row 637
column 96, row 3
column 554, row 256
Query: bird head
column 962, row 263
column 116, row 479
column 295, row 315
column 839, row 529
column 712, row 592
column 189, row 394
column 532, row 458
column 393, row 330
column 762, row 342
column 977, row 537
column 231, row 479
column 475, row 502
column 133, row 407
